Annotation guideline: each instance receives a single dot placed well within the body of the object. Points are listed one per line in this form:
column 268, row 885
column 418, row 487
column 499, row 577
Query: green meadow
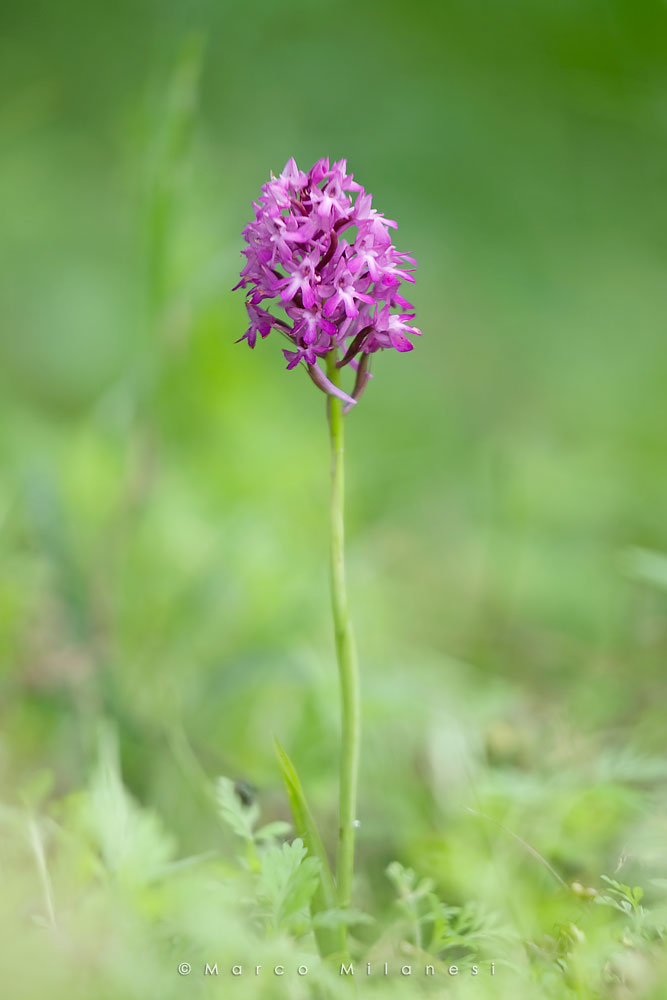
column 164, row 606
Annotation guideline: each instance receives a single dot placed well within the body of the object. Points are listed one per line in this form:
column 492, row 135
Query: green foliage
column 329, row 929
column 240, row 818
column 288, row 880
column 438, row 928
column 127, row 843
column 622, row 897
column 305, row 823
column 122, row 860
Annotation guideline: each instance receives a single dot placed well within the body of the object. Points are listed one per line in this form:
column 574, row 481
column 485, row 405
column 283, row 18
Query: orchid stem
column 346, row 653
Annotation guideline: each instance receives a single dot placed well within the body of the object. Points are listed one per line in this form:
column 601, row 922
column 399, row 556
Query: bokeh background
column 164, row 491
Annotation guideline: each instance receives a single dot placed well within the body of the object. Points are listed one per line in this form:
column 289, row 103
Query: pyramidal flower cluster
column 319, row 253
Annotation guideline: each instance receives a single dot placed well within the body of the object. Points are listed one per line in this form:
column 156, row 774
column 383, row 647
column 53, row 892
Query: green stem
column 345, row 651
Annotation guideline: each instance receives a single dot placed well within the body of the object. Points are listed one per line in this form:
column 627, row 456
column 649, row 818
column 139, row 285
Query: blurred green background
column 164, row 491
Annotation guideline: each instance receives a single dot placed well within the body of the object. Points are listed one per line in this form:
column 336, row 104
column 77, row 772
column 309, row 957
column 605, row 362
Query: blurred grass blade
column 647, row 566
column 524, row 843
column 47, row 519
column 37, row 846
column 173, row 140
column 304, row 823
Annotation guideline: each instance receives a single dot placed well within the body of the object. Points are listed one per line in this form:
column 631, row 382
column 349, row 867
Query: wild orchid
column 318, row 252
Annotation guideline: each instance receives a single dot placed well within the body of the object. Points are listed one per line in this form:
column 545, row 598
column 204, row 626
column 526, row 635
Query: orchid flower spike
column 336, row 293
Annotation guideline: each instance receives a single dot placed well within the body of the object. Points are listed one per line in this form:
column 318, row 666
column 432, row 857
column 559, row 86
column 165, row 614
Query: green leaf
column 132, row 842
column 405, row 881
column 239, row 818
column 288, row 880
